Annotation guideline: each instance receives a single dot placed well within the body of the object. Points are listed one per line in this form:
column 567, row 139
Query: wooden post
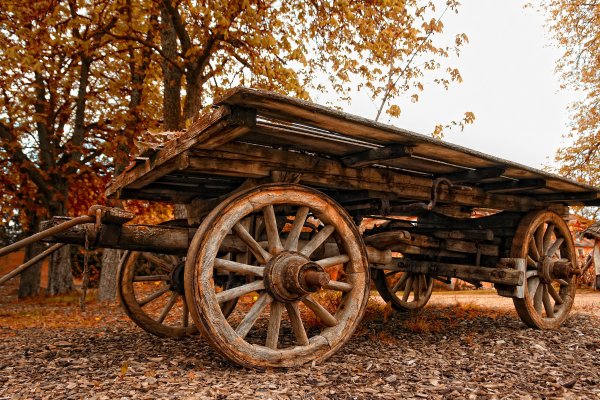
column 596, row 258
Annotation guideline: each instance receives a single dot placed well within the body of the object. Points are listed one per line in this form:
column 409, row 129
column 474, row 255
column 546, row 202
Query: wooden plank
column 285, row 108
column 211, row 130
column 501, row 276
column 513, row 186
column 374, row 156
column 156, row 238
column 319, row 171
column 474, row 175
column 581, row 197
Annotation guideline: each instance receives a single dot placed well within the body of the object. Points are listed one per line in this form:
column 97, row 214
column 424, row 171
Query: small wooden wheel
column 406, row 291
column 151, row 290
column 315, row 287
column 544, row 240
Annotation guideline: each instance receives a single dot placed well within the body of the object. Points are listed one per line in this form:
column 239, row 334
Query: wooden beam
column 514, row 186
column 569, row 197
column 156, row 238
column 209, row 131
column 501, row 276
column 245, row 160
column 474, row 175
column 374, row 156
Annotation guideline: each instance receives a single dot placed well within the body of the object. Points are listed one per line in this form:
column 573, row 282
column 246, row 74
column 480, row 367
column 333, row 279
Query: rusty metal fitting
column 291, row 276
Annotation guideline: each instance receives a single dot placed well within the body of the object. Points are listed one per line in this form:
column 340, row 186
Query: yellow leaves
column 394, row 110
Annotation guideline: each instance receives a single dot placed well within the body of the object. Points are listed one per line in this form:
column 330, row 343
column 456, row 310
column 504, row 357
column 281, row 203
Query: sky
column 510, row 84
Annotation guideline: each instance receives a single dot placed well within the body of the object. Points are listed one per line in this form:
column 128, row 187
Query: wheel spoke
column 151, row 278
column 417, row 288
column 261, row 254
column 547, row 303
column 339, row 286
column 547, row 238
column 407, row 288
column 320, row 311
column 539, row 238
column 335, row 260
column 274, row 325
column 239, row 291
column 530, row 263
column 159, row 262
column 317, row 240
column 537, row 299
column 562, row 282
column 291, row 242
column 552, row 291
column 532, row 285
column 297, row 325
column 185, row 316
column 253, row 314
column 154, row 296
column 168, row 307
column 532, row 273
column 533, row 251
column 275, row 246
column 555, row 246
column 240, row 268
column 401, row 282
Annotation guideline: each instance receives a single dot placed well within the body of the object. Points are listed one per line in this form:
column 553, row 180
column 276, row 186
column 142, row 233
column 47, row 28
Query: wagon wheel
column 315, row 289
column 406, row 291
column 545, row 241
column 151, row 290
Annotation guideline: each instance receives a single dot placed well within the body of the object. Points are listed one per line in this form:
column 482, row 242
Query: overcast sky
column 509, row 83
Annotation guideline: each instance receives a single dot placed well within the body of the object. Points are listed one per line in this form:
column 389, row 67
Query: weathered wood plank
column 319, row 171
column 211, row 130
column 374, row 156
column 501, row 276
column 514, row 186
column 475, row 175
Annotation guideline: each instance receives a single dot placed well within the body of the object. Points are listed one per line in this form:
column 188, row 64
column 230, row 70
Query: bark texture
column 60, row 278
column 107, row 290
column 29, row 284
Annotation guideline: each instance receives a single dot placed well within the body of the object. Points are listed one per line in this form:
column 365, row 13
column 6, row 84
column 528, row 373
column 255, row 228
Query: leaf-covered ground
column 461, row 346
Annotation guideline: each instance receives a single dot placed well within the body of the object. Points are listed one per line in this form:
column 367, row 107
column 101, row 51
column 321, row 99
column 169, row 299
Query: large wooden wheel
column 151, row 290
column 544, row 240
column 405, row 291
column 310, row 288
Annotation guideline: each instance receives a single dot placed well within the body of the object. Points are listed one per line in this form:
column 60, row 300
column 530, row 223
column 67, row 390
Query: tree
column 63, row 107
column 82, row 80
column 575, row 26
column 210, row 46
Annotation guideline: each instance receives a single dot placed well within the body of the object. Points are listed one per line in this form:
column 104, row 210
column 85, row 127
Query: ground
column 464, row 345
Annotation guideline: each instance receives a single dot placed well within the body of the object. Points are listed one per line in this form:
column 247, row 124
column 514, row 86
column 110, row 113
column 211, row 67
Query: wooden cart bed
column 256, row 134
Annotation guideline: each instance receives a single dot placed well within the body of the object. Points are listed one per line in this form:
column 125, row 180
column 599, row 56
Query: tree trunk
column 171, row 75
column 107, row 290
column 29, row 284
column 60, row 277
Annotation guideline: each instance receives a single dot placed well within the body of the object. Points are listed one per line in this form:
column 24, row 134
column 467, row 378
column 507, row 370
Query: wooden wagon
column 292, row 209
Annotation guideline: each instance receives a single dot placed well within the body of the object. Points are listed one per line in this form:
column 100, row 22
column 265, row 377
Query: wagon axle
column 550, row 269
column 291, row 276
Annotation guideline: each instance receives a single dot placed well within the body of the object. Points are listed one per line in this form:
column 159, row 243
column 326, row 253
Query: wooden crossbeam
column 587, row 197
column 514, row 186
column 374, row 156
column 474, row 175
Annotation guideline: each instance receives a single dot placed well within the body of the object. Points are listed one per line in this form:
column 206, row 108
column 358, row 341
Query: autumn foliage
column 83, row 80
column 575, row 26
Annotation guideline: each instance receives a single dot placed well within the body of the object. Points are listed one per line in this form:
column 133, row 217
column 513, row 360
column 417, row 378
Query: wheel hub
column 177, row 278
column 290, row 276
column 549, row 269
